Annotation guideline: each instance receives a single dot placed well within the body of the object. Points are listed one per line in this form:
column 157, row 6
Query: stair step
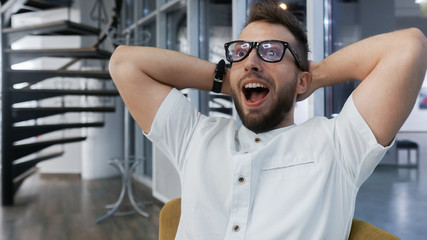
column 34, row 76
column 25, row 169
column 15, row 6
column 62, row 27
column 17, row 182
column 11, row 7
column 223, row 110
column 23, row 132
column 21, row 55
column 88, row 52
column 20, row 168
column 47, row 4
column 23, row 150
column 22, row 114
column 22, row 95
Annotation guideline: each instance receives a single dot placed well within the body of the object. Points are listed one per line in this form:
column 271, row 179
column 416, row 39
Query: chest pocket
column 289, row 163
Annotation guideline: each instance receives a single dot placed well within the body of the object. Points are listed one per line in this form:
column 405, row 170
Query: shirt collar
column 248, row 141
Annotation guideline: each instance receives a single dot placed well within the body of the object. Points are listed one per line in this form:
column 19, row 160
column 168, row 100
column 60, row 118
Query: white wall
column 314, row 105
column 102, row 145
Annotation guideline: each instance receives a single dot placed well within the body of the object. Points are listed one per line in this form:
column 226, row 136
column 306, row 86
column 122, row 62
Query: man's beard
column 269, row 120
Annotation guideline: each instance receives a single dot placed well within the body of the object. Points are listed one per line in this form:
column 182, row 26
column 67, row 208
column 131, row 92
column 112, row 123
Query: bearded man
column 271, row 178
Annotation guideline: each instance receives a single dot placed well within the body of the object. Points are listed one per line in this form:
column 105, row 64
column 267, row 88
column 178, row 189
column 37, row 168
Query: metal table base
column 126, row 174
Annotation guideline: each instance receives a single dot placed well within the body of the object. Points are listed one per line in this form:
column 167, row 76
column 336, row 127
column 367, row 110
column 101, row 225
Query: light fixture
column 420, row 1
column 284, row 6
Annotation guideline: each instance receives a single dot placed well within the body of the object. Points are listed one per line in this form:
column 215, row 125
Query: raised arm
column 391, row 67
column 144, row 77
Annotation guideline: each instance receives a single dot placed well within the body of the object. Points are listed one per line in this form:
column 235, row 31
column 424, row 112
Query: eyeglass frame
column 286, row 45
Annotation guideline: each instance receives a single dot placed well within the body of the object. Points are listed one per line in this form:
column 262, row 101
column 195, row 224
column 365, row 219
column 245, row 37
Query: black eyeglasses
column 269, row 51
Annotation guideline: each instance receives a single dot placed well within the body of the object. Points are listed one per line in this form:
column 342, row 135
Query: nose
column 253, row 61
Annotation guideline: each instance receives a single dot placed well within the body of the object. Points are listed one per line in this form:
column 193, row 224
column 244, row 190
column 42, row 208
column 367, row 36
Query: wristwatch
column 219, row 76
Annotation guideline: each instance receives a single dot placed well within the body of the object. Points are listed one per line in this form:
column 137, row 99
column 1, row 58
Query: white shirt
column 297, row 182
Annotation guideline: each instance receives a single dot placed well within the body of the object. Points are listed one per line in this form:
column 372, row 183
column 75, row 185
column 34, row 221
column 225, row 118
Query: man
column 271, row 179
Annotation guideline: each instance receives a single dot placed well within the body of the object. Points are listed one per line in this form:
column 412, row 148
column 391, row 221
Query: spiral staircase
column 29, row 119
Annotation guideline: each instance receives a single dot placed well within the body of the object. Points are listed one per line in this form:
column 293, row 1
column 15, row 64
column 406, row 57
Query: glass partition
column 215, row 30
column 350, row 21
column 128, row 17
column 147, row 7
column 176, row 34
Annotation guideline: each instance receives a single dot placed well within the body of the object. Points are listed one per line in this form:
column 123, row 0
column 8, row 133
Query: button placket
column 240, row 198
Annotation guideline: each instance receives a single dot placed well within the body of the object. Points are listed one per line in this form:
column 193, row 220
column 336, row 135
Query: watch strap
column 219, row 76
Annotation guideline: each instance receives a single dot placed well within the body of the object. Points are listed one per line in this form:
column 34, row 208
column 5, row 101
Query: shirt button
column 236, row 228
column 257, row 140
column 241, row 179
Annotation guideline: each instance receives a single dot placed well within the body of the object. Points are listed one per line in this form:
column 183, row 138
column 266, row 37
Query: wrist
column 226, row 88
column 218, row 77
column 317, row 77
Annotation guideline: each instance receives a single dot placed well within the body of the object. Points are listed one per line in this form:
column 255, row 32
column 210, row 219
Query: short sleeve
column 356, row 143
column 173, row 126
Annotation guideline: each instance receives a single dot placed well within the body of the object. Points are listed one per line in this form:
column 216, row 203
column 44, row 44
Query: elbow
column 116, row 60
column 419, row 42
column 418, row 45
column 126, row 61
column 423, row 47
column 419, row 36
column 117, row 55
column 413, row 44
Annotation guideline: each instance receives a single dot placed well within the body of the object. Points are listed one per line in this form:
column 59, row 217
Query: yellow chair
column 169, row 219
column 171, row 212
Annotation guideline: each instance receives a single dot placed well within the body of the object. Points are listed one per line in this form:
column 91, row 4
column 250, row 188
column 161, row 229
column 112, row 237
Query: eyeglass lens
column 270, row 51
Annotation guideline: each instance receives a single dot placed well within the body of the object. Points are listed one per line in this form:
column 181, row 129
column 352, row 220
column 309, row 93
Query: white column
column 315, row 20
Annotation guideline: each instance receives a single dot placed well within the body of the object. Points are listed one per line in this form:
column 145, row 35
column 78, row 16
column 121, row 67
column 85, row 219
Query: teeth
column 254, row 85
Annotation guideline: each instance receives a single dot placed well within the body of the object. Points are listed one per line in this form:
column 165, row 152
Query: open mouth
column 255, row 93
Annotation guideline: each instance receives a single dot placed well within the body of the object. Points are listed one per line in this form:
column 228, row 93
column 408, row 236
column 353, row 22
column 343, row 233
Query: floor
column 65, row 208
column 395, row 198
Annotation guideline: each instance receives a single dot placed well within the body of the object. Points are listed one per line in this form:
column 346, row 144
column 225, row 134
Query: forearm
column 358, row 60
column 145, row 76
column 168, row 67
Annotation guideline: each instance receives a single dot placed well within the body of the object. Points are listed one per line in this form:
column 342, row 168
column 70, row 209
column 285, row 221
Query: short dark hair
column 269, row 11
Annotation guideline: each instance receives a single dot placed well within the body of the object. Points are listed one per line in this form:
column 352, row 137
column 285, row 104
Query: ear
column 304, row 81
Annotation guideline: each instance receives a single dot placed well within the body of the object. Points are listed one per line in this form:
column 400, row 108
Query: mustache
column 258, row 76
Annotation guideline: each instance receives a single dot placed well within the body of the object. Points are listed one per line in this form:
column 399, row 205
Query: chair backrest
column 171, row 213
column 364, row 230
column 169, row 219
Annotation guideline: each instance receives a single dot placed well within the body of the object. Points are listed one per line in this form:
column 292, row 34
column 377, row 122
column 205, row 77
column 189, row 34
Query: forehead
column 259, row 31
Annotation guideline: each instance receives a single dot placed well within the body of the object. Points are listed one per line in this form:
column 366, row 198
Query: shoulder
column 315, row 124
column 208, row 125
